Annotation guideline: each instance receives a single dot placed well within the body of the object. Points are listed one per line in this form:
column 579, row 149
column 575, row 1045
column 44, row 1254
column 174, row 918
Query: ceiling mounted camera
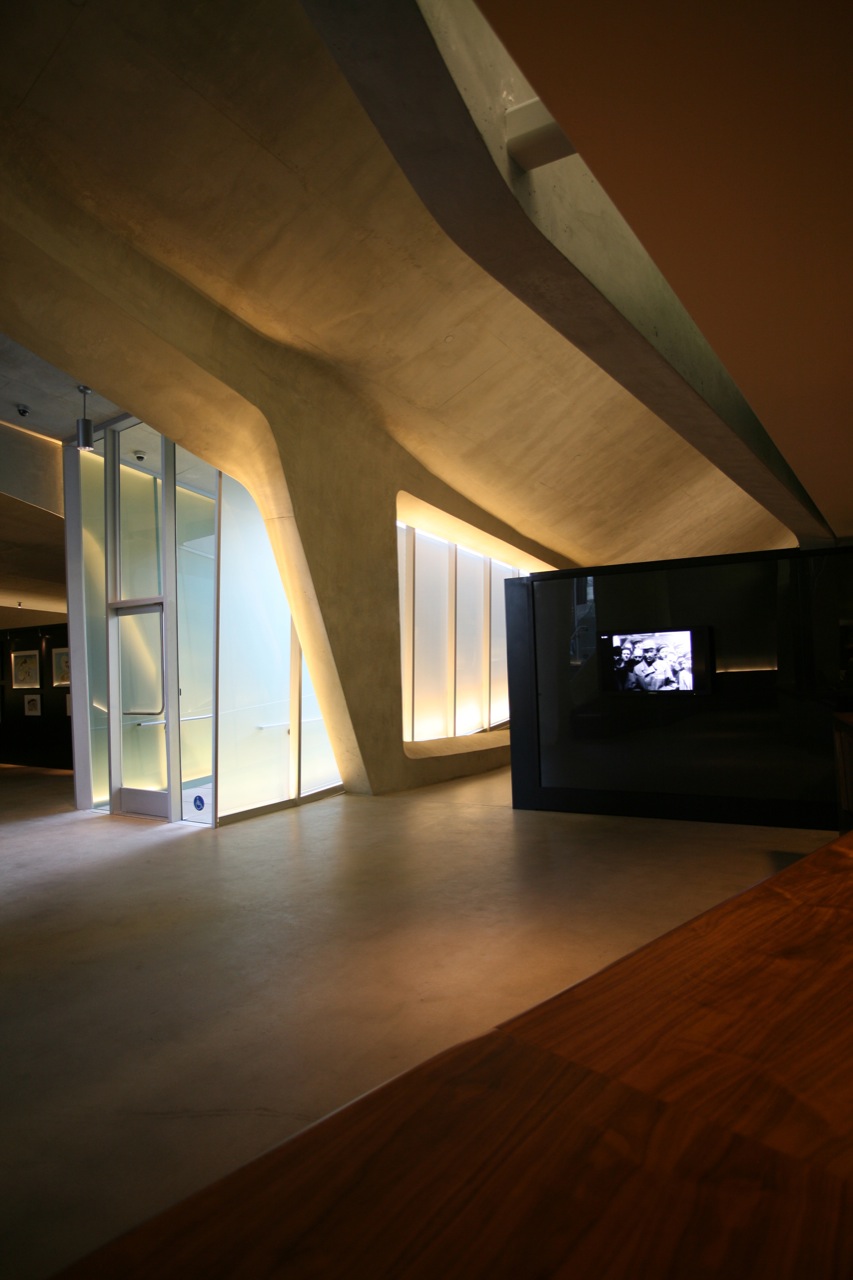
column 23, row 410
column 139, row 455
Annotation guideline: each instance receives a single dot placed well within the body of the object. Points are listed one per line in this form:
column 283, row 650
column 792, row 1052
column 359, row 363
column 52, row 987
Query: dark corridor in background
column 35, row 687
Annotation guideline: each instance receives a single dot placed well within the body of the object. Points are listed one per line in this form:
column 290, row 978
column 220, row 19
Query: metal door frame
column 127, row 799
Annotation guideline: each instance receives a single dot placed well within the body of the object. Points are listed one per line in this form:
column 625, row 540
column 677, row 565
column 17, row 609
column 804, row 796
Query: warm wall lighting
column 428, row 519
column 469, row 718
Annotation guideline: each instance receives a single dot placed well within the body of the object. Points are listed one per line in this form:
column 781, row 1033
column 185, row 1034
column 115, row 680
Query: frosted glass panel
column 143, row 736
column 432, row 668
column 319, row 768
column 196, row 547
column 471, row 710
column 139, row 499
column 141, row 649
column 94, row 590
column 401, row 583
column 499, row 704
column 405, row 579
column 254, row 661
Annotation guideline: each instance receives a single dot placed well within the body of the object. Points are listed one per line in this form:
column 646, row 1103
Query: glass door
column 142, row 784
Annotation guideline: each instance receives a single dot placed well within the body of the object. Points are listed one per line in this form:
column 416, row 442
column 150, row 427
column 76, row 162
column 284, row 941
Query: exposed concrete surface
column 575, row 256
column 30, row 469
column 235, row 156
column 32, row 538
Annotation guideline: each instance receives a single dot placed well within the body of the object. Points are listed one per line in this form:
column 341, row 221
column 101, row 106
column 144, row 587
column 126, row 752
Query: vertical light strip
column 81, row 728
column 217, row 609
column 112, row 571
column 451, row 636
column 112, row 538
column 169, row 579
column 295, row 752
column 407, row 622
column 487, row 642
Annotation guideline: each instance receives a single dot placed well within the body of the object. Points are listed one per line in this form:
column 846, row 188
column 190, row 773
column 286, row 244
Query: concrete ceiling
column 51, row 398
column 234, row 154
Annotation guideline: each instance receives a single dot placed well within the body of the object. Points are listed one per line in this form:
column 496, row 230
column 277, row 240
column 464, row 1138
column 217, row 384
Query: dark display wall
column 35, row 724
column 756, row 746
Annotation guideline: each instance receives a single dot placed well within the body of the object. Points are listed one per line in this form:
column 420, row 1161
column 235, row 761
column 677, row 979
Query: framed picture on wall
column 32, row 704
column 25, row 669
column 61, row 669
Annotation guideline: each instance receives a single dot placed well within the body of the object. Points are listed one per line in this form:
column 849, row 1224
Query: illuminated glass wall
column 433, row 672
column 197, row 488
column 94, row 608
column 273, row 743
column 472, row 685
column 254, row 662
column 452, row 637
column 497, row 630
column 241, row 703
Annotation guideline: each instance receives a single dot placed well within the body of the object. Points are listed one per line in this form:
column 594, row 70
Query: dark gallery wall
column 754, row 742
column 35, row 722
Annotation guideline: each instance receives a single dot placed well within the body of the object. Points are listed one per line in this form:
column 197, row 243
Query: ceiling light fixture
column 85, row 426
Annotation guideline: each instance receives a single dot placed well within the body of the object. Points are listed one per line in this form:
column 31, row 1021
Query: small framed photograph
column 61, row 668
column 25, row 669
column 32, row 704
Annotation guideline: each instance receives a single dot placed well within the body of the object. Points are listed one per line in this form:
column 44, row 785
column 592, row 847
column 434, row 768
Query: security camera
column 139, row 455
column 23, row 410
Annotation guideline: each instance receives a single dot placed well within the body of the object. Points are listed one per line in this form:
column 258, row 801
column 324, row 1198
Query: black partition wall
column 700, row 689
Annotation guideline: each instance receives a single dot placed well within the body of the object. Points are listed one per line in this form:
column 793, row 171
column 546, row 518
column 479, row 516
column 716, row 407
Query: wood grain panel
column 683, row 1114
column 743, row 1013
column 499, row 1159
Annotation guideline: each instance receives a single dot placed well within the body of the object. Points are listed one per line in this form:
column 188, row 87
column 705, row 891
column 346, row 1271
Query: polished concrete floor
column 174, row 1000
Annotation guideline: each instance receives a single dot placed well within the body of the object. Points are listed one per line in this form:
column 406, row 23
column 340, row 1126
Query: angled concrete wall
column 31, row 469
column 312, row 451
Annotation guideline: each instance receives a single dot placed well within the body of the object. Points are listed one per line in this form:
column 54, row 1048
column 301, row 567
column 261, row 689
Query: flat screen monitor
column 655, row 662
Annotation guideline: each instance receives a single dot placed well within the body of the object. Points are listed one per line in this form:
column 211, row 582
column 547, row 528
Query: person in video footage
column 666, row 669
column 623, row 666
column 653, row 672
column 645, row 672
column 683, row 674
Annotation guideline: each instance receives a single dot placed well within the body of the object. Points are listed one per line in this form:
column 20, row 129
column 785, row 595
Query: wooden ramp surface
column 687, row 1112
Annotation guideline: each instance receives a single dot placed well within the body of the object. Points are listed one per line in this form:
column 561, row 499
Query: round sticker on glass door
column 198, row 801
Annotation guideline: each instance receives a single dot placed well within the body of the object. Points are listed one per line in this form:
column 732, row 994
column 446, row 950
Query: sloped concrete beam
column 533, row 137
column 447, row 162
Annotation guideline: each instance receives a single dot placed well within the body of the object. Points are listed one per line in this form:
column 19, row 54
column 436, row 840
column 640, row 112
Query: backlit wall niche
column 453, row 637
